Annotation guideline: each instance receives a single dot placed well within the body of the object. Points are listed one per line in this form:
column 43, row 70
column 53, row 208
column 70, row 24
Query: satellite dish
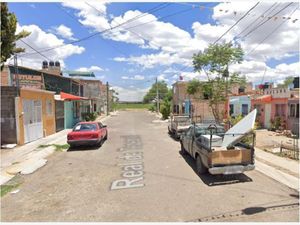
column 239, row 130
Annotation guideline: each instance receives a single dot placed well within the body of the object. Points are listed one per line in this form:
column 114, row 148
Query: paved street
column 139, row 175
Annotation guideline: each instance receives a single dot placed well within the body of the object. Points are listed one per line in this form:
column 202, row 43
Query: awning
column 66, row 96
column 265, row 98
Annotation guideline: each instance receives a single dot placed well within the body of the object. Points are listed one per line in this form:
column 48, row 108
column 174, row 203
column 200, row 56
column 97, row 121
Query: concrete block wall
column 8, row 117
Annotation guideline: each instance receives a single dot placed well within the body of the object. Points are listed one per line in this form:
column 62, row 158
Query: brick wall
column 8, row 120
column 4, row 77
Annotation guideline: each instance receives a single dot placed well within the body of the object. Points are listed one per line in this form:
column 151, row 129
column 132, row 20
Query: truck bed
column 230, row 157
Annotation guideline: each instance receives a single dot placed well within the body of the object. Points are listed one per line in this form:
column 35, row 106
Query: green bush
column 152, row 108
column 89, row 116
column 165, row 110
column 276, row 123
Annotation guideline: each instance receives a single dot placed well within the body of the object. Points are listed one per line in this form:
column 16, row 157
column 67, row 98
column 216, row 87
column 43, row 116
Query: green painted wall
column 69, row 121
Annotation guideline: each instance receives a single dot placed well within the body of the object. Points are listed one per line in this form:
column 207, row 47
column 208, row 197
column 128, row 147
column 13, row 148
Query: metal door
column 33, row 125
column 59, row 115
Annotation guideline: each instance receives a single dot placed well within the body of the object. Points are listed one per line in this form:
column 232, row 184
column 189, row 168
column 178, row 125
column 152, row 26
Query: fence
column 291, row 150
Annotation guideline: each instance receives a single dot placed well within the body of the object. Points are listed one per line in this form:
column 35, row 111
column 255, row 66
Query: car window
column 199, row 131
column 85, row 127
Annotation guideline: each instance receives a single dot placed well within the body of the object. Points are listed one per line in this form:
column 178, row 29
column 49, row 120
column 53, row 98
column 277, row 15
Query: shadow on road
column 85, row 147
column 214, row 180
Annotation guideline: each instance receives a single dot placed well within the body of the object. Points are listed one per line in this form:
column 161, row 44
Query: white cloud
column 91, row 14
column 90, row 69
column 174, row 45
column 278, row 45
column 257, row 72
column 40, row 39
column 130, row 94
column 135, row 77
column 64, row 32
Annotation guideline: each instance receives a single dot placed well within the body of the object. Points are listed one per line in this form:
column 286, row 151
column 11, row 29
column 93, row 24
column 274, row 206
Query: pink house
column 272, row 104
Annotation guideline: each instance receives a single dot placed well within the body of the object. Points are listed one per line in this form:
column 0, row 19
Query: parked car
column 178, row 124
column 204, row 143
column 87, row 133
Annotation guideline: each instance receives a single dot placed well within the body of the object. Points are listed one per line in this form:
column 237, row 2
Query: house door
column 33, row 125
column 267, row 122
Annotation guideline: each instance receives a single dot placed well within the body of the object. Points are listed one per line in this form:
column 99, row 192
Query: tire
column 99, row 144
column 201, row 169
column 106, row 136
column 183, row 151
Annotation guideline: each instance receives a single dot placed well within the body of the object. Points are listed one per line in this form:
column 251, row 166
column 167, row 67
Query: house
column 196, row 106
column 91, row 88
column 27, row 114
column 27, row 109
column 271, row 105
column 239, row 105
column 32, row 112
column 69, row 109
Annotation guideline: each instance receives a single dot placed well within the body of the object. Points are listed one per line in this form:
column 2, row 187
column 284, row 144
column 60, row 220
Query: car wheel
column 99, row 144
column 106, row 136
column 201, row 169
column 183, row 151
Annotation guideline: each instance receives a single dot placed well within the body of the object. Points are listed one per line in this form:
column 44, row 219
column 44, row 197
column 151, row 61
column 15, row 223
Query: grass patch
column 7, row 188
column 132, row 106
column 60, row 148
column 44, row 146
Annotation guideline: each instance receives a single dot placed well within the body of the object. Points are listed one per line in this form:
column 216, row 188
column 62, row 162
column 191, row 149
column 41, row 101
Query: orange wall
column 49, row 125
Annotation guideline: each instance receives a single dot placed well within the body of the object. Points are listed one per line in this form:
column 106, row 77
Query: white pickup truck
column 178, row 124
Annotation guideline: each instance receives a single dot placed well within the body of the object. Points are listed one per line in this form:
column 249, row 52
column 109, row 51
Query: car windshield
column 85, row 127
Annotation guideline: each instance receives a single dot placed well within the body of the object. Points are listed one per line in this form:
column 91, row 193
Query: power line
column 273, row 31
column 263, row 14
column 35, row 50
column 156, row 8
column 236, row 23
column 255, row 28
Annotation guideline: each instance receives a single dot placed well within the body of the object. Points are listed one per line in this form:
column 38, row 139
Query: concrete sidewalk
column 284, row 170
column 28, row 158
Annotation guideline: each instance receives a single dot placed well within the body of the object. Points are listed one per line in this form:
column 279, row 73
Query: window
column 241, row 90
column 95, row 107
column 292, row 110
column 231, row 109
column 49, row 107
column 279, row 110
column 85, row 127
column 244, row 109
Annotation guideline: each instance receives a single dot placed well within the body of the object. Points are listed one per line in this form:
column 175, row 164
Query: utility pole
column 107, row 98
column 16, row 73
column 157, row 97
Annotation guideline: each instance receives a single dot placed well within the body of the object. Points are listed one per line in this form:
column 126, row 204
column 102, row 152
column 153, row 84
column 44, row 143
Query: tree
column 8, row 34
column 162, row 91
column 288, row 80
column 165, row 108
column 214, row 62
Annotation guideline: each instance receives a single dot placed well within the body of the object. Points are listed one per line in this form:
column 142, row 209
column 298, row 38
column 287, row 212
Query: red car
column 87, row 133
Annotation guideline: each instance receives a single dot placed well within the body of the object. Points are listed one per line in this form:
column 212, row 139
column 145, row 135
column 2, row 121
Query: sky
column 130, row 44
